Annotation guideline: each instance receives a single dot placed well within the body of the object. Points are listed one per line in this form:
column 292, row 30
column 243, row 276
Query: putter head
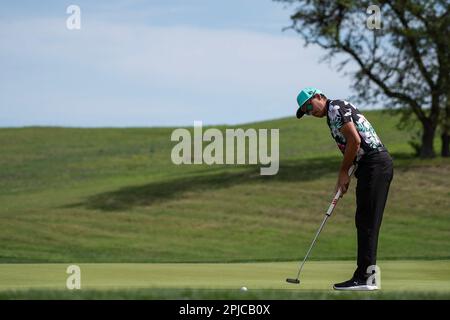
column 296, row 281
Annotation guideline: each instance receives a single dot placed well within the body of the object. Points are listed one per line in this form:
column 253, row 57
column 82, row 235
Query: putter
column 327, row 215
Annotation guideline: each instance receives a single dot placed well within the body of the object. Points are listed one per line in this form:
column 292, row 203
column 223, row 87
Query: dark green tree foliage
column 405, row 64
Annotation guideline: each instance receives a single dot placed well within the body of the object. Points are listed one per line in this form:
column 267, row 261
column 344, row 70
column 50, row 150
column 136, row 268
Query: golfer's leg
column 382, row 177
column 361, row 218
column 371, row 200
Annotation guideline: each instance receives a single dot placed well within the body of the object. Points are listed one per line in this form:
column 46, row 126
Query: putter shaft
column 312, row 244
column 327, row 215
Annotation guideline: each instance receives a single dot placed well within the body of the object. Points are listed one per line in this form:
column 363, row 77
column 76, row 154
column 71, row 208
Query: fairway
column 155, row 279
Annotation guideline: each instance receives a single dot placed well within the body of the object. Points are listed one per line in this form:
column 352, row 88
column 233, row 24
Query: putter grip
column 333, row 203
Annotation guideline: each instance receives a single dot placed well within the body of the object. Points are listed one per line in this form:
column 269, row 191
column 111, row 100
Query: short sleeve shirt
column 339, row 112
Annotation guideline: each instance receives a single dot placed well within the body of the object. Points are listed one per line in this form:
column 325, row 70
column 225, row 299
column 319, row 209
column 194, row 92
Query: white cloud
column 256, row 75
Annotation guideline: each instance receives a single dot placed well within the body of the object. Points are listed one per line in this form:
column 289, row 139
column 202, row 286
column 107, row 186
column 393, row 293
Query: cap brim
column 300, row 113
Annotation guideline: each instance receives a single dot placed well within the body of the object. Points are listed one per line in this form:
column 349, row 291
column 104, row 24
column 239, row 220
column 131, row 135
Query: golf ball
column 244, row 289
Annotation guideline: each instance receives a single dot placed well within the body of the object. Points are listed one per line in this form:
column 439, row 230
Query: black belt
column 374, row 151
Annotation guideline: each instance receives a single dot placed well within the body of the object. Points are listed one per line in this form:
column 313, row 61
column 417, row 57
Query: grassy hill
column 113, row 195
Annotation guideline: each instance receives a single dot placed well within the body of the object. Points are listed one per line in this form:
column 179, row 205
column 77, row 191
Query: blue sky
column 154, row 63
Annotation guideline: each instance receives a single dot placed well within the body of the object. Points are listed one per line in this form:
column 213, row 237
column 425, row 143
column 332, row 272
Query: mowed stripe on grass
column 408, row 276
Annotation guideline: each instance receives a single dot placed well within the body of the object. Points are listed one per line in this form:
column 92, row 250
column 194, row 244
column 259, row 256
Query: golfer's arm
column 353, row 142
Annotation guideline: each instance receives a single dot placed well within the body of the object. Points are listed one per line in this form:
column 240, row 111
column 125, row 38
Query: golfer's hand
column 343, row 182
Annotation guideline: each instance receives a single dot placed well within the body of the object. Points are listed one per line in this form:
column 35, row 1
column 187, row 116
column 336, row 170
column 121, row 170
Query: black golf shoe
column 355, row 284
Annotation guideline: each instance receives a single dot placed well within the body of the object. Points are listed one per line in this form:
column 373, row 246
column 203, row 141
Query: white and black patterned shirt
column 339, row 112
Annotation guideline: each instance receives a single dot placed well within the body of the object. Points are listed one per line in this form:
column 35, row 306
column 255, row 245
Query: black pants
column 374, row 174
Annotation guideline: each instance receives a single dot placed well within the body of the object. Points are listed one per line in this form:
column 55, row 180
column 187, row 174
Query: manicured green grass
column 113, row 195
column 400, row 280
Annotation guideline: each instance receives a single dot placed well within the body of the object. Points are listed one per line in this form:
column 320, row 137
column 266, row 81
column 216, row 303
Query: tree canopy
column 405, row 63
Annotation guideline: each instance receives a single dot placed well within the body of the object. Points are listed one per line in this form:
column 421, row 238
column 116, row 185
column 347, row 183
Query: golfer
column 360, row 144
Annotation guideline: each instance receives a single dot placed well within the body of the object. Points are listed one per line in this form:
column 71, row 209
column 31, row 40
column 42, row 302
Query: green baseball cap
column 304, row 96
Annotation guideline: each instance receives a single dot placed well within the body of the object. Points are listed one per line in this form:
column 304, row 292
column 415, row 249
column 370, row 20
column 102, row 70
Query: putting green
column 420, row 276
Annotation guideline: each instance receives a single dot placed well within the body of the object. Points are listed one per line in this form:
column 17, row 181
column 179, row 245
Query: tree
column 445, row 135
column 405, row 63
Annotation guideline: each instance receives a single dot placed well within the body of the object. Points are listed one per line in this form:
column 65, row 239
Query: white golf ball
column 244, row 289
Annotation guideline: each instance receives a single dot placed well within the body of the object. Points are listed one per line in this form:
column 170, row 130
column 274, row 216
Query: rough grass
column 216, row 294
column 113, row 195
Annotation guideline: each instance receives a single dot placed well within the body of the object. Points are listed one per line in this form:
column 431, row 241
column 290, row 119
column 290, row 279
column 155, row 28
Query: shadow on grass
column 403, row 156
column 211, row 178
column 145, row 195
column 407, row 161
